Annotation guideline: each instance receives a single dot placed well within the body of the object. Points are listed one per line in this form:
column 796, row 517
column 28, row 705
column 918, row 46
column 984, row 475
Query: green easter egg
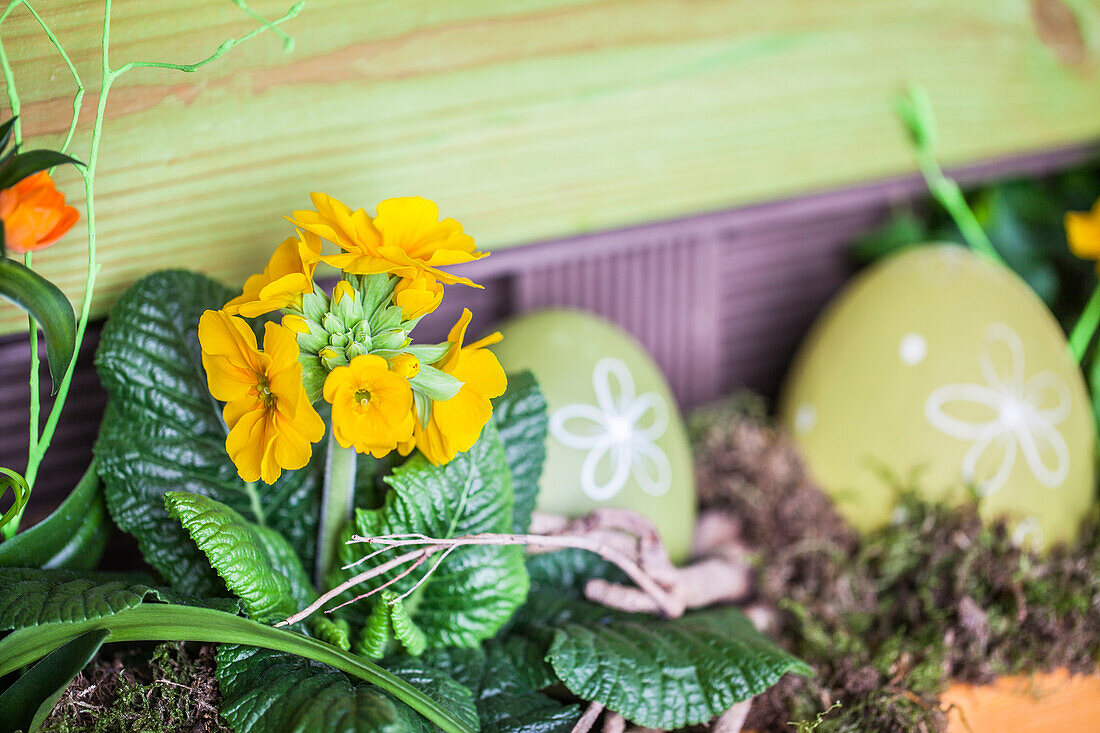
column 616, row 438
column 946, row 372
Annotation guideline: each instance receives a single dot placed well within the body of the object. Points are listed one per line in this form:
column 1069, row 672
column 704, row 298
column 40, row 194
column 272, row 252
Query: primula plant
column 346, row 512
column 351, row 351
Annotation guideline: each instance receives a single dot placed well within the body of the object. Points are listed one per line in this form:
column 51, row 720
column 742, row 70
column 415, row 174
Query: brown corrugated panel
column 721, row 300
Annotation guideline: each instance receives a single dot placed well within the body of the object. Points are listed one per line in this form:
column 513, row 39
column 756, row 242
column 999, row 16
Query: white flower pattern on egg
column 619, row 432
column 1021, row 415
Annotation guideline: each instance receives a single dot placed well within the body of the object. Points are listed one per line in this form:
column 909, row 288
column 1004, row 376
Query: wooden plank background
column 526, row 119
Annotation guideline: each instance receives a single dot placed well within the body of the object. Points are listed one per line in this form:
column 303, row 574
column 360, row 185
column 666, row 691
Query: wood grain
column 525, row 119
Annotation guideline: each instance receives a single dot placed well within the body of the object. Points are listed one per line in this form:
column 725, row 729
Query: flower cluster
column 351, row 348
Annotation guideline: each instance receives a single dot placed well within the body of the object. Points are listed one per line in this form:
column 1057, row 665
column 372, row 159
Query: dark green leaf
column 25, row 705
column 50, row 608
column 660, row 673
column 256, row 563
column 73, row 537
column 450, row 694
column 163, row 432
column 50, row 309
column 270, row 692
column 557, row 580
column 19, row 166
column 389, row 619
column 31, row 596
column 6, row 129
column 520, row 417
column 566, row 572
column 476, row 589
column 505, row 703
column 238, row 554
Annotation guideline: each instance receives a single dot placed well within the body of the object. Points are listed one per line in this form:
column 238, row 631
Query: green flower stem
column 167, row 622
column 337, row 502
column 40, row 442
column 915, row 112
column 951, row 198
column 1085, row 328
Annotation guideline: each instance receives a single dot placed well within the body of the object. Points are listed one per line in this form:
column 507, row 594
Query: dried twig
column 591, row 713
column 733, row 720
column 622, row 537
column 614, row 723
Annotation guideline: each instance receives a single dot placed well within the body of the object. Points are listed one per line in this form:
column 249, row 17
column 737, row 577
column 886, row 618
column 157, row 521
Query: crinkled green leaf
column 270, row 692
column 239, row 553
column 164, row 432
column 32, row 596
column 476, row 589
column 520, row 417
column 557, row 580
column 441, row 686
column 505, row 702
column 48, row 306
column 50, row 608
column 659, row 673
column 256, row 563
column 73, row 537
column 29, row 700
column 389, row 619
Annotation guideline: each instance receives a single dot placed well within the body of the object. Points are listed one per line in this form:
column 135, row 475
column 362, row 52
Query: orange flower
column 34, row 214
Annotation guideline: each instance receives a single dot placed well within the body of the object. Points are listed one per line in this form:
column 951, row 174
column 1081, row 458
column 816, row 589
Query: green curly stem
column 40, row 440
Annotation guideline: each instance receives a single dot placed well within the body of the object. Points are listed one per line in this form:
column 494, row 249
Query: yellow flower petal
column 286, row 278
column 1083, row 232
column 406, row 238
column 371, row 405
column 456, row 424
column 271, row 423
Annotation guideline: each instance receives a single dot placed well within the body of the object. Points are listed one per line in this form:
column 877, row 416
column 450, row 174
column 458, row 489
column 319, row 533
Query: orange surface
column 1057, row 702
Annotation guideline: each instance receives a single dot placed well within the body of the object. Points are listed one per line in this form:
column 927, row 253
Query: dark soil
column 890, row 619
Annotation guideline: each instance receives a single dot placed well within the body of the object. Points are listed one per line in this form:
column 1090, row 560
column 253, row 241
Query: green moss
column 890, row 619
column 173, row 691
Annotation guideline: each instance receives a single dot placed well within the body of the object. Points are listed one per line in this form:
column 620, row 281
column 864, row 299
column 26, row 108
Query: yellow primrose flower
column 272, row 425
column 417, row 296
column 455, row 425
column 1083, row 232
column 371, row 405
column 287, row 277
column 405, row 238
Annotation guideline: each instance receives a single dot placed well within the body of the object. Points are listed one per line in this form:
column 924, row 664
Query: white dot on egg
column 912, row 349
column 805, row 418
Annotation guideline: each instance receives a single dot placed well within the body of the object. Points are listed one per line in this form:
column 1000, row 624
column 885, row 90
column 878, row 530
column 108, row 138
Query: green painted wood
column 527, row 119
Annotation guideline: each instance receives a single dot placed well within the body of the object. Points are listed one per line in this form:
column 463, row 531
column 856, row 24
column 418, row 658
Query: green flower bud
column 332, row 358
column 332, row 323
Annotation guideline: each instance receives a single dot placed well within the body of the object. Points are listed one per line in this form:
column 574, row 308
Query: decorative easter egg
column 941, row 371
column 615, row 437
